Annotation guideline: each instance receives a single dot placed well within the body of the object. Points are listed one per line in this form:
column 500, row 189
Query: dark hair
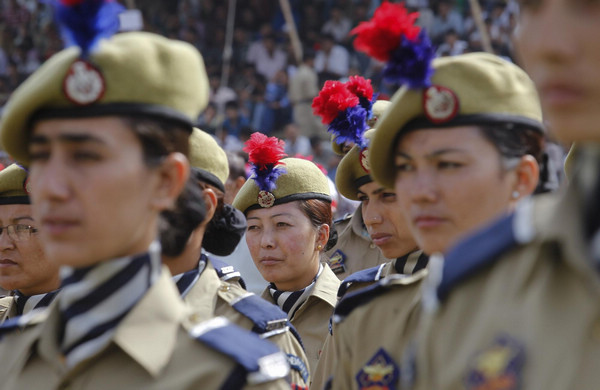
column 319, row 212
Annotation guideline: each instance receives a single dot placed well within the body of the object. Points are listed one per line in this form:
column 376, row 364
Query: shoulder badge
column 297, row 364
column 380, row 372
column 477, row 252
column 372, row 274
column 227, row 272
column 261, row 359
column 440, row 104
column 337, row 262
column 499, row 366
column 83, row 83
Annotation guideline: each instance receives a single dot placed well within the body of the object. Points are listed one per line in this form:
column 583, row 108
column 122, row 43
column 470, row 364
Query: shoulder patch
column 227, row 272
column 363, row 296
column 372, row 274
column 32, row 318
column 261, row 359
column 481, row 250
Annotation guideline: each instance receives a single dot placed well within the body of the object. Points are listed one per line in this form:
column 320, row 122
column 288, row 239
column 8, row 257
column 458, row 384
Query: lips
column 57, row 226
column 380, row 239
column 560, row 95
column 427, row 221
column 7, row 263
column 269, row 261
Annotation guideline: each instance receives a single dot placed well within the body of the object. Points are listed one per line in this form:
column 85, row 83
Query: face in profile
column 448, row 183
column 283, row 245
column 556, row 43
column 92, row 194
column 385, row 221
column 23, row 266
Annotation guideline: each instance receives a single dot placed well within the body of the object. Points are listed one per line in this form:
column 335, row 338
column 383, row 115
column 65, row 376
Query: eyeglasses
column 18, row 232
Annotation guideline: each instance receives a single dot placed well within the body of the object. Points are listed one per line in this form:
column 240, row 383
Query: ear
column 527, row 177
column 210, row 200
column 322, row 236
column 173, row 173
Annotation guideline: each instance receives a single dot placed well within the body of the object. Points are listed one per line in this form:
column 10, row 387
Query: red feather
column 379, row 36
column 332, row 99
column 71, row 3
column 360, row 86
column 263, row 150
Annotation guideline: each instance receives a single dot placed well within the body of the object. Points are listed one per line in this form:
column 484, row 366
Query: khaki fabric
column 13, row 180
column 311, row 319
column 206, row 154
column 542, row 296
column 387, row 323
column 8, row 308
column 151, row 349
column 356, row 245
column 212, row 297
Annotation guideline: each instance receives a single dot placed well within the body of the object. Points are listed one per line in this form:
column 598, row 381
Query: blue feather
column 410, row 63
column 266, row 178
column 86, row 23
column 349, row 126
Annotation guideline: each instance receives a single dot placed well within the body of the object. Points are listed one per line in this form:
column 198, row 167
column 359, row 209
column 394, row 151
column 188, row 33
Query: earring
column 319, row 247
column 515, row 194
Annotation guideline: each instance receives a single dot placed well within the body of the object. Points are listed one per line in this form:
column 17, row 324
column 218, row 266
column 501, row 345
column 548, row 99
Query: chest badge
column 380, row 372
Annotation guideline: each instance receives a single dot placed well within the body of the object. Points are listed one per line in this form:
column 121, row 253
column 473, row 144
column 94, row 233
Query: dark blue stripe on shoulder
column 362, row 276
column 223, row 270
column 478, row 251
column 245, row 347
column 358, row 298
column 10, row 326
column 262, row 313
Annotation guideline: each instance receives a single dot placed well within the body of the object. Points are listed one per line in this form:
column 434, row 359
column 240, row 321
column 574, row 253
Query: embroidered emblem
column 83, row 84
column 381, row 372
column 440, row 104
column 298, row 365
column 266, row 199
column 337, row 262
column 498, row 367
column 27, row 186
column 363, row 158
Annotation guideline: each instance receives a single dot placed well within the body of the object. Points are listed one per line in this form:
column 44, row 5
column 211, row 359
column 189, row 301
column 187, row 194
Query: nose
column 422, row 187
column 267, row 239
column 49, row 181
column 371, row 214
column 5, row 241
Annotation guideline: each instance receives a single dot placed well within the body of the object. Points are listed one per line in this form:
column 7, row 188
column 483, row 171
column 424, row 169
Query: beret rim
column 291, row 198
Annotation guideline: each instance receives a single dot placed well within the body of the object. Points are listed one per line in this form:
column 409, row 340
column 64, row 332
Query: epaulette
column 227, row 272
column 363, row 296
column 484, row 247
column 268, row 318
column 32, row 318
column 346, row 217
column 261, row 360
column 372, row 274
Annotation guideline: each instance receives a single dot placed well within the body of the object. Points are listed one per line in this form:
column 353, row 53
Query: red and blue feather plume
column 345, row 108
column 265, row 153
column 84, row 23
column 391, row 36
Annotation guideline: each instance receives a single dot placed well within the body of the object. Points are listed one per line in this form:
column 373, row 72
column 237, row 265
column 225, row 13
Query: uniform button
column 596, row 330
column 224, row 288
column 372, row 246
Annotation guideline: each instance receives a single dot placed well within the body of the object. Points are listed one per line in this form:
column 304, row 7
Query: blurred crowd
column 267, row 88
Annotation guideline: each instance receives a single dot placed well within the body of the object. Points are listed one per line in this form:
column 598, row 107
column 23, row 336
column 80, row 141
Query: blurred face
column 448, row 183
column 385, row 221
column 283, row 244
column 91, row 191
column 557, row 43
column 23, row 266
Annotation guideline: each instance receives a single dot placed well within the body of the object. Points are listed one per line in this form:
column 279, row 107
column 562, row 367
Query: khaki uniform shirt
column 211, row 297
column 354, row 249
column 524, row 313
column 150, row 349
column 8, row 308
column 403, row 265
column 311, row 319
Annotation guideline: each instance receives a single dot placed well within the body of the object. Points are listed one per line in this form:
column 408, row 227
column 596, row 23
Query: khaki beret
column 353, row 171
column 130, row 73
column 378, row 109
column 302, row 180
column 208, row 159
column 468, row 89
column 14, row 185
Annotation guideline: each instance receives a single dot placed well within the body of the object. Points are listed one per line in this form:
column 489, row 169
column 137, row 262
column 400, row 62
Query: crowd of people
column 141, row 249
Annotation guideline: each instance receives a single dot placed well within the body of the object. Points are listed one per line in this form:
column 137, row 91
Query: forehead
column 464, row 138
column 11, row 211
column 290, row 208
column 106, row 130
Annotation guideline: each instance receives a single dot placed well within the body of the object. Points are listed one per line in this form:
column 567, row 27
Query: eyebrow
column 272, row 216
column 25, row 217
column 75, row 138
column 433, row 154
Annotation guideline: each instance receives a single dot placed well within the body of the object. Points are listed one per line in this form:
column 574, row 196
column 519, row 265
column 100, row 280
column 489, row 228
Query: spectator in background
column 338, row 26
column 332, row 60
column 209, row 120
column 447, row 18
column 321, row 151
column 295, row 143
column 452, row 45
column 234, row 119
column 303, row 87
column 219, row 94
column 277, row 104
column 267, row 58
